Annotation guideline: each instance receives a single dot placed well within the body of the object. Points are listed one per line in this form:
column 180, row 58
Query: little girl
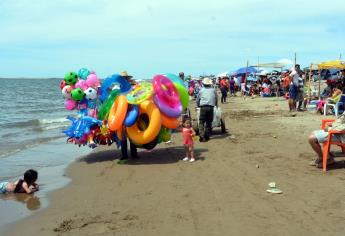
column 28, row 185
column 187, row 134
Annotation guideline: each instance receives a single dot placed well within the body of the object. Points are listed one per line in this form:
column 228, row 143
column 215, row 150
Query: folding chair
column 329, row 142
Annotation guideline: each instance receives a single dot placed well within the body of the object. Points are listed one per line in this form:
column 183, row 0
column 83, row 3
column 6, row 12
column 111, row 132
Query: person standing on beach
column 293, row 90
column 300, row 94
column 133, row 148
column 232, row 86
column 206, row 100
column 224, row 88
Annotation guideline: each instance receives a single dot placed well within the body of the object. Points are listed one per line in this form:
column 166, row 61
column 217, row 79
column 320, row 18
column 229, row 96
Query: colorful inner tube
column 140, row 93
column 169, row 109
column 168, row 122
column 166, row 96
column 117, row 113
column 132, row 115
column 147, row 135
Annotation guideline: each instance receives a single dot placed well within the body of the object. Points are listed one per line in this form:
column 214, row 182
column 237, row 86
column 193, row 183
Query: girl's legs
column 187, row 153
column 191, row 153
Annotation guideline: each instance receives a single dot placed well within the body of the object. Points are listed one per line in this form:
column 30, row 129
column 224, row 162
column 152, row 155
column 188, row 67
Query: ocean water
column 32, row 113
column 32, row 119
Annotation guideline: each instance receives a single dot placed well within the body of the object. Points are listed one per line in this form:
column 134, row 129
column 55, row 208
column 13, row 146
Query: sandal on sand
column 122, row 162
column 315, row 162
column 274, row 190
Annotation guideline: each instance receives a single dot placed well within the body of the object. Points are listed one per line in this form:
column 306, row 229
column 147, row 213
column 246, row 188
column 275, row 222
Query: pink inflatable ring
column 166, row 96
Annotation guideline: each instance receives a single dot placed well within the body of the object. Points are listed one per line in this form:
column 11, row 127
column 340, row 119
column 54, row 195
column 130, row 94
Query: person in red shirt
column 188, row 133
column 224, row 88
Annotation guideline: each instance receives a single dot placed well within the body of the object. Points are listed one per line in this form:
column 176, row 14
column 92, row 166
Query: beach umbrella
column 243, row 70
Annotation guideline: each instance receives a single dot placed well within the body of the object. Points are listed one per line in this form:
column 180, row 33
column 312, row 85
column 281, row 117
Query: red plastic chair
column 329, row 142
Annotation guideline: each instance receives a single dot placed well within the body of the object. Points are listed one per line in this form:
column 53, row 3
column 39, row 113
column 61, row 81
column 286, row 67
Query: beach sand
column 223, row 193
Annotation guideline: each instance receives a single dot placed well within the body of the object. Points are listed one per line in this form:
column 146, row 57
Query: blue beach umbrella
column 247, row 70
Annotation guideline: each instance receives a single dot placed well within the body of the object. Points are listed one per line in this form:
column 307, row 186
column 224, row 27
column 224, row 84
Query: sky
column 49, row 38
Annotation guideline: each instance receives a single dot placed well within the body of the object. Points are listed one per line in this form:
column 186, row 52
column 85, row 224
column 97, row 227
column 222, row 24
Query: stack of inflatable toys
column 112, row 110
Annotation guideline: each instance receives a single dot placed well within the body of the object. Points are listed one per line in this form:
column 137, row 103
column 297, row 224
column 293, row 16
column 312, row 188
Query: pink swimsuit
column 187, row 136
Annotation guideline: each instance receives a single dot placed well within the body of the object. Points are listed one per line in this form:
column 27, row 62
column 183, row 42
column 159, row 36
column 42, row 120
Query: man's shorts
column 322, row 136
column 293, row 92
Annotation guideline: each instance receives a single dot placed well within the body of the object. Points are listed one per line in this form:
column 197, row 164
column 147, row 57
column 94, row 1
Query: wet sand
column 223, row 193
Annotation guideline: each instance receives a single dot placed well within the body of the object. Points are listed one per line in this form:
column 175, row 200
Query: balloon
column 71, row 78
column 83, row 73
column 70, row 104
column 93, row 81
column 66, row 91
column 77, row 94
column 90, row 93
column 81, row 84
column 62, row 84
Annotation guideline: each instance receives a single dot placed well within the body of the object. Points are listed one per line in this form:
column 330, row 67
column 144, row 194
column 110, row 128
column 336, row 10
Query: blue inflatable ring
column 132, row 115
column 111, row 82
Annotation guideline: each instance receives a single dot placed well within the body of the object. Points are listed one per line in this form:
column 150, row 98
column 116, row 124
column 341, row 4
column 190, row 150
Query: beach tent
column 279, row 64
column 337, row 64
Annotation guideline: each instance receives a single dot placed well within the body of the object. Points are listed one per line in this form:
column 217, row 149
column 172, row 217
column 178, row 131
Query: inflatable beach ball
column 90, row 93
column 71, row 78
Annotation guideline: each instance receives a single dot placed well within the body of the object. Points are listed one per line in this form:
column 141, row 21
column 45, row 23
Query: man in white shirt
column 293, row 90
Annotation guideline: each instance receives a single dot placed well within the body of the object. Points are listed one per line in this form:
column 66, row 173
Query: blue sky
column 48, row 38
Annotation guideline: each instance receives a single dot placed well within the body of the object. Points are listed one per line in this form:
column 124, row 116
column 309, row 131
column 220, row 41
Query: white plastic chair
column 335, row 106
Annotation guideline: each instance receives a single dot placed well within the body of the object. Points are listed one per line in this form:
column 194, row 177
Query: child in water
column 28, row 185
column 188, row 133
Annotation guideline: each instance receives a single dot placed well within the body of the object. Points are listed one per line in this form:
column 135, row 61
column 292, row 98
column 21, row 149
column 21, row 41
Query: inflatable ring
column 168, row 109
column 114, row 82
column 183, row 93
column 117, row 113
column 151, row 145
column 175, row 79
column 132, row 115
column 150, row 133
column 140, row 93
column 165, row 89
column 166, row 96
column 168, row 122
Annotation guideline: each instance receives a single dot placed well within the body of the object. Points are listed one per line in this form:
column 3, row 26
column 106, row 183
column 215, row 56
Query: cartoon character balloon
column 71, row 78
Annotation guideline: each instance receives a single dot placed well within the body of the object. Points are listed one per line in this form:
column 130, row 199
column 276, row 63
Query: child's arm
column 193, row 132
column 28, row 189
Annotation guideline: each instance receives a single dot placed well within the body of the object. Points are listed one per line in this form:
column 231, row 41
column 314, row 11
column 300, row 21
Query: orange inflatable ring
column 150, row 133
column 117, row 113
column 169, row 122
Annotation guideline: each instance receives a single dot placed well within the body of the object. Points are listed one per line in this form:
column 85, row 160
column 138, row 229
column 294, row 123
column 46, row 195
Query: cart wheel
column 222, row 125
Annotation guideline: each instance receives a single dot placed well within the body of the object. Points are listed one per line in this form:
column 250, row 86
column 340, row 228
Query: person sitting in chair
column 318, row 137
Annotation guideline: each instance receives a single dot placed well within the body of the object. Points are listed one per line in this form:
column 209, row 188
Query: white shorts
column 243, row 87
